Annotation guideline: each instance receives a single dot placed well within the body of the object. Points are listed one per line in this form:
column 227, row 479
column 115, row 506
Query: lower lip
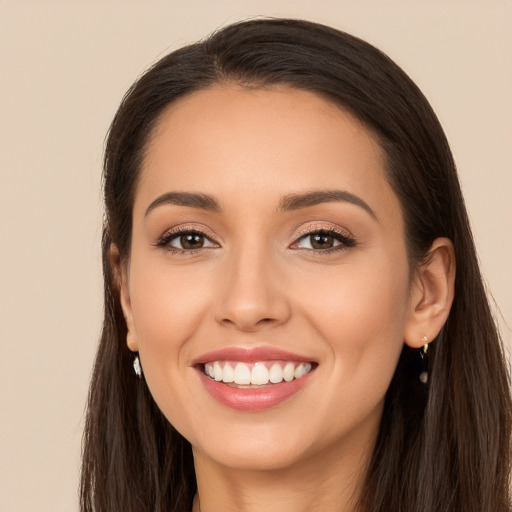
column 252, row 399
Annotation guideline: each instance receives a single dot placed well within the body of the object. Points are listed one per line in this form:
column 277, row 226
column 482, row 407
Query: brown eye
column 191, row 241
column 183, row 241
column 322, row 241
column 325, row 241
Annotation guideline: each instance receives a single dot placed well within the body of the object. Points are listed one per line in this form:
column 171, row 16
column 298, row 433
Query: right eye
column 185, row 241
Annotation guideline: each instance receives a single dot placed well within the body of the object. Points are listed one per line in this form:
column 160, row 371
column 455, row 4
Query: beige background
column 65, row 66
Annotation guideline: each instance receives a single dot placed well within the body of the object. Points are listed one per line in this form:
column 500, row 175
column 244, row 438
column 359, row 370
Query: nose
column 252, row 294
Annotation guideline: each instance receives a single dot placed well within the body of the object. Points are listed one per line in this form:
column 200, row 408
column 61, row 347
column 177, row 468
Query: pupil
column 322, row 241
column 191, row 241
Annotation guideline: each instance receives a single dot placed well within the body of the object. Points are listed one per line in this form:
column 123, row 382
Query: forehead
column 232, row 142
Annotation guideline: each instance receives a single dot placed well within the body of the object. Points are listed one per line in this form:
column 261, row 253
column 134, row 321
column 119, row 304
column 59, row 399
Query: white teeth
column 302, row 369
column 217, row 371
column 276, row 374
column 256, row 374
column 259, row 374
column 228, row 374
column 289, row 372
column 242, row 374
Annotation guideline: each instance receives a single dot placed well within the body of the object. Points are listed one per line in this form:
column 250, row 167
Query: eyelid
column 313, row 228
column 173, row 232
column 185, row 227
column 343, row 235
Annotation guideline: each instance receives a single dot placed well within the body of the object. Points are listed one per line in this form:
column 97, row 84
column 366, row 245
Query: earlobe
column 431, row 295
column 120, row 275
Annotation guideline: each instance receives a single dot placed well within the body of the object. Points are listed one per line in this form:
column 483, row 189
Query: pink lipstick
column 253, row 379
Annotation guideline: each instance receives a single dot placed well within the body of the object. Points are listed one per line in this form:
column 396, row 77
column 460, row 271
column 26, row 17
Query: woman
column 294, row 314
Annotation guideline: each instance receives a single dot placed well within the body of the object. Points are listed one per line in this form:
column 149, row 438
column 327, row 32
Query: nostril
column 265, row 322
column 248, row 324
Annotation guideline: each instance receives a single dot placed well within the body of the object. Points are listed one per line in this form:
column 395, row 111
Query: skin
column 257, row 282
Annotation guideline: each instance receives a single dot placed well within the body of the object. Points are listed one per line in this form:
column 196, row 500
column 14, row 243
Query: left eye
column 323, row 240
column 187, row 241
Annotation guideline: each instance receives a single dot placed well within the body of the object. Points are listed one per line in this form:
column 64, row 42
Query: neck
column 328, row 482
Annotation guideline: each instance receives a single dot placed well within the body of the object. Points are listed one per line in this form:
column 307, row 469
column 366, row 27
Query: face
column 268, row 248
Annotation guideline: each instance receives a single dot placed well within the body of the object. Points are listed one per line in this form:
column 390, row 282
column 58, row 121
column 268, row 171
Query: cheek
column 360, row 314
column 359, row 317
column 167, row 309
column 166, row 305
column 374, row 296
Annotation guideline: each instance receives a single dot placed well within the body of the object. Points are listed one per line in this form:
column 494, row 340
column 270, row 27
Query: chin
column 253, row 455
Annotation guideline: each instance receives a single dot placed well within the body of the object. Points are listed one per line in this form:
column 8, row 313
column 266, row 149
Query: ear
column 431, row 295
column 121, row 279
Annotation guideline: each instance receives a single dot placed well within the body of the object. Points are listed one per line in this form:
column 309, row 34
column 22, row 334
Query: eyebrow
column 307, row 199
column 288, row 203
column 200, row 201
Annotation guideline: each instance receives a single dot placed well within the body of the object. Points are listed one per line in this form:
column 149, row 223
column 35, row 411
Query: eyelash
column 168, row 237
column 346, row 240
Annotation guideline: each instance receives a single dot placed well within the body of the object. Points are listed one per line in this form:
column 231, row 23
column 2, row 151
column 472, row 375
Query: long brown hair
column 442, row 447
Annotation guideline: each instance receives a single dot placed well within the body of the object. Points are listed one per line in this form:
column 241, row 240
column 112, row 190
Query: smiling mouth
column 254, row 375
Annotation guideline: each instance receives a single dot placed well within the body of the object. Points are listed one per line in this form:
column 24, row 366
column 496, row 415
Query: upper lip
column 250, row 355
